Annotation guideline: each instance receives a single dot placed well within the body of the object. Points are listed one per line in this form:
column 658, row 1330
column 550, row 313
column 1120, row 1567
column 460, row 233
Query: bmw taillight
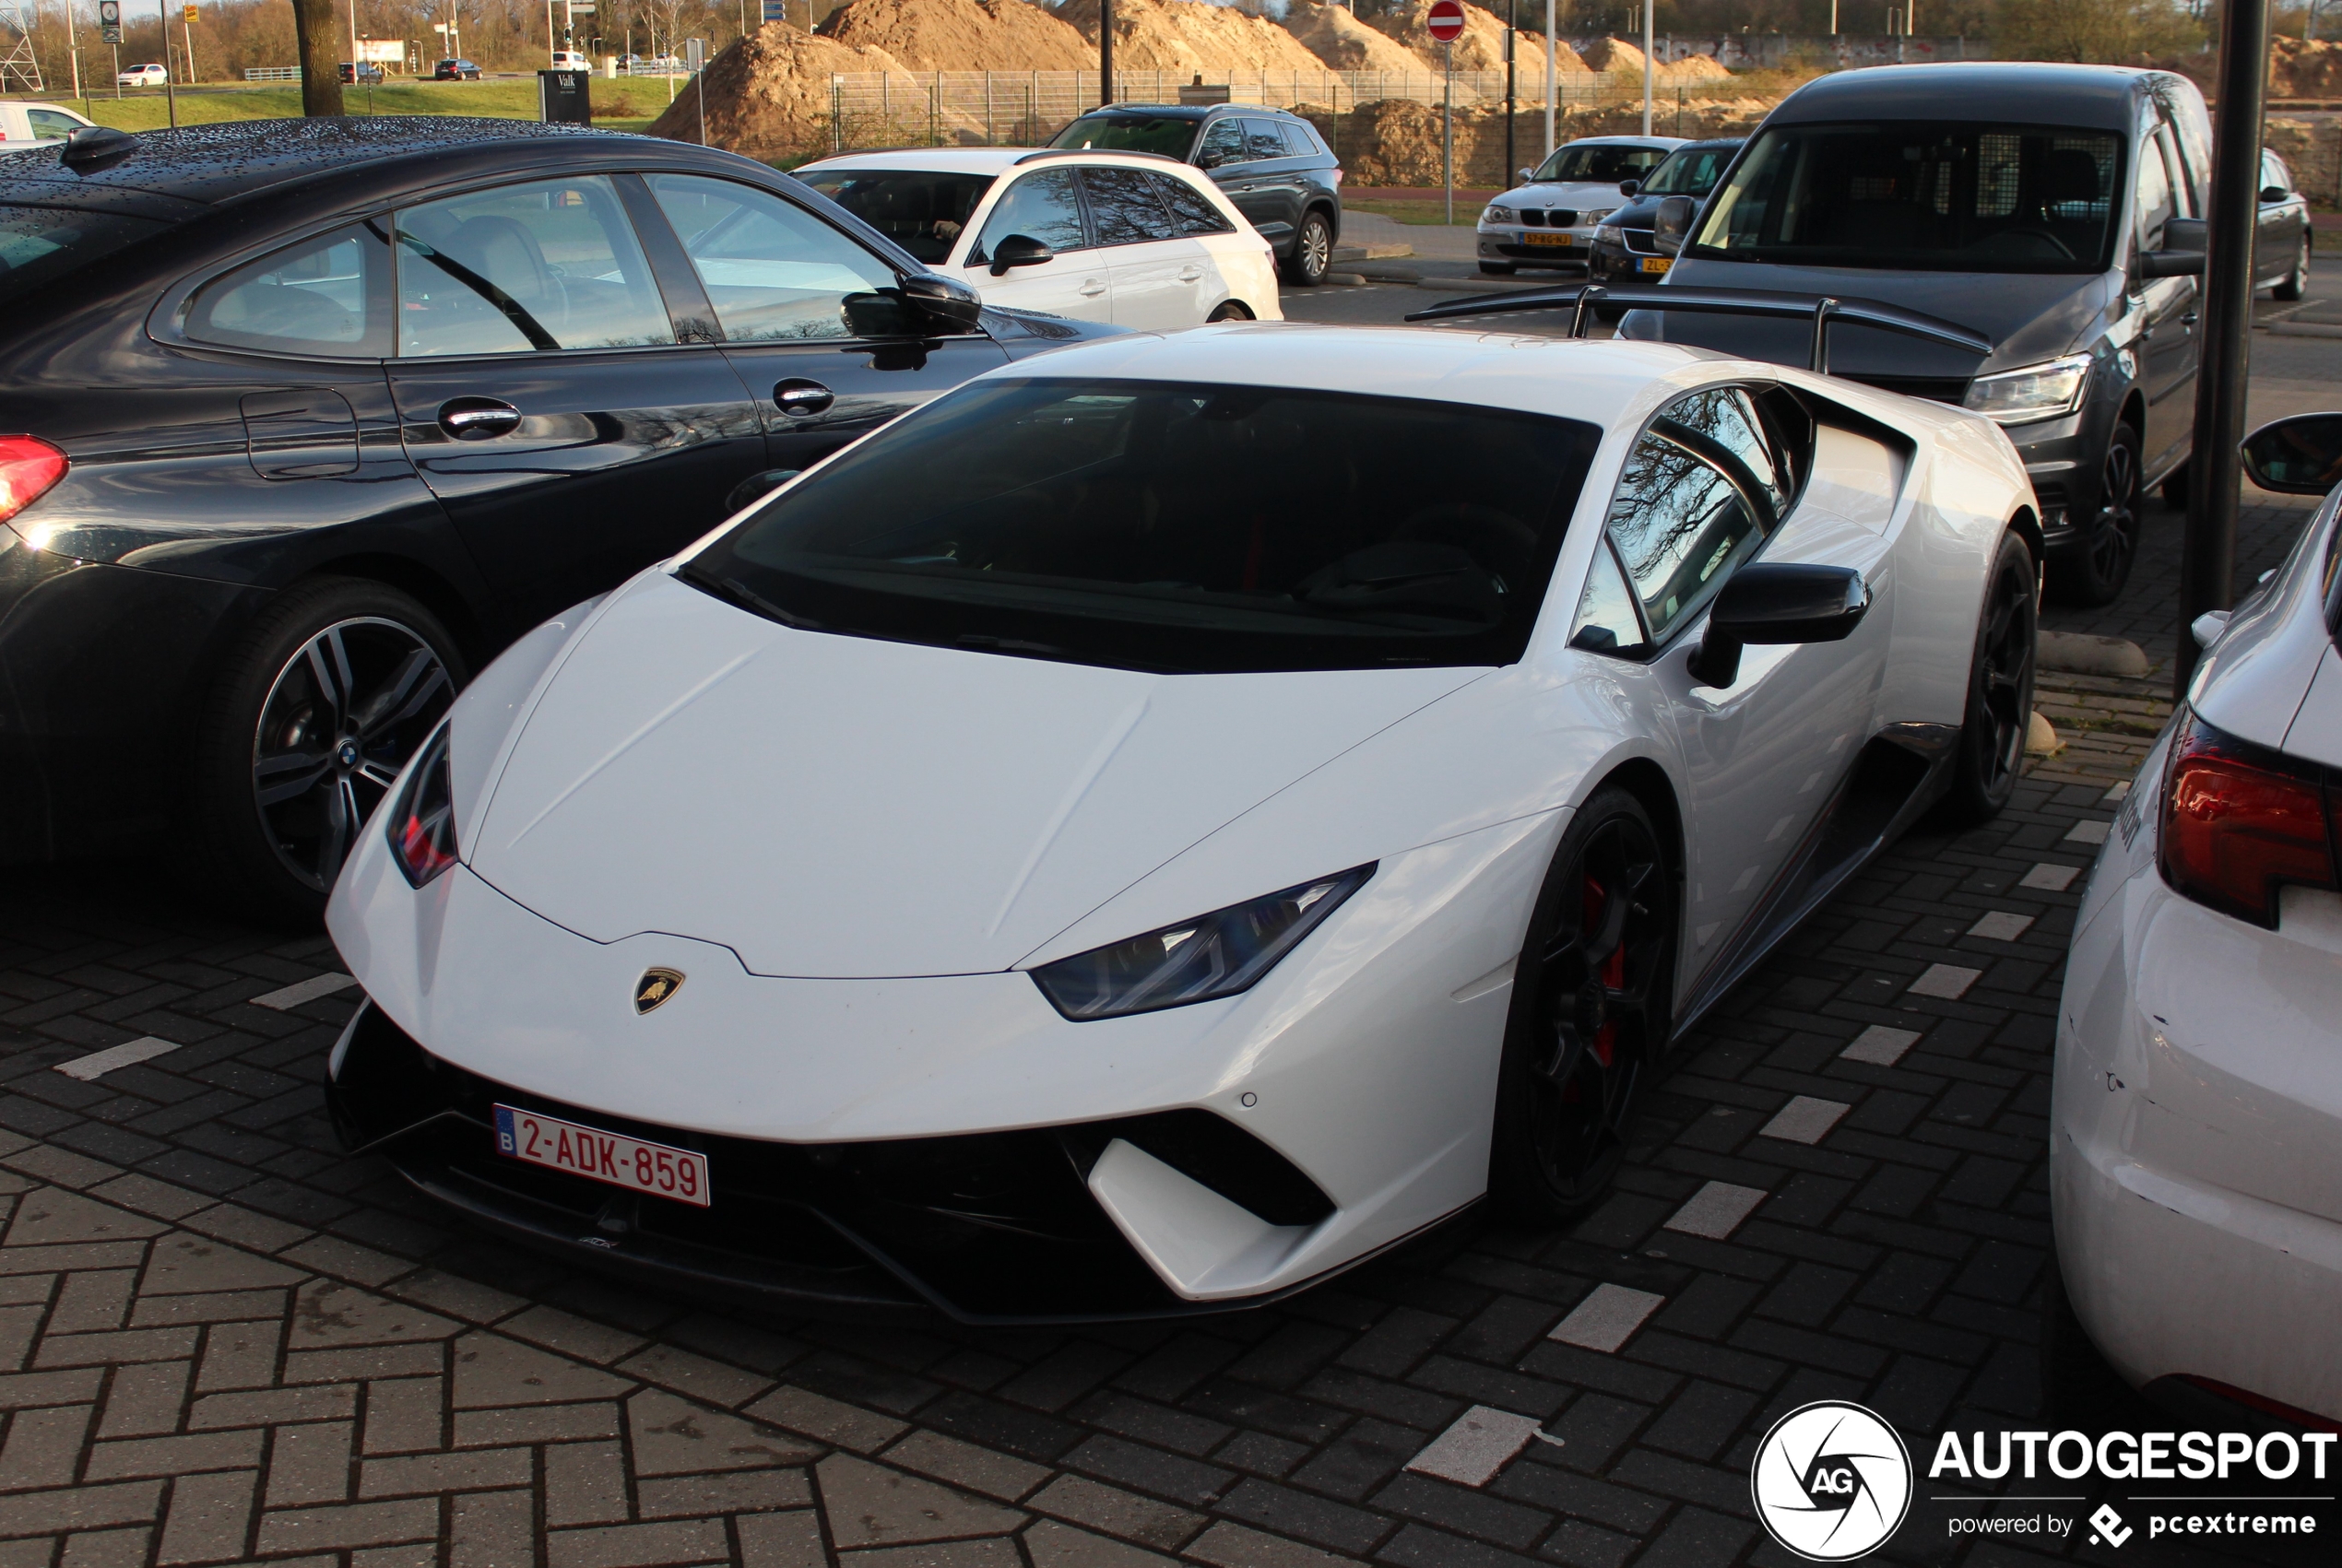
column 28, row 466
column 2240, row 821
column 422, row 815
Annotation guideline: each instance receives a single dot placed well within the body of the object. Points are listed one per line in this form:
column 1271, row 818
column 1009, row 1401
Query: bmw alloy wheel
column 342, row 716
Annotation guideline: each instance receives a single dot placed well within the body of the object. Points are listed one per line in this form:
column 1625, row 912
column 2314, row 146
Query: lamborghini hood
column 842, row 806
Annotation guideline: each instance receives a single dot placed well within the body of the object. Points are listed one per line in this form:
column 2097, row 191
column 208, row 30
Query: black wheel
column 1498, row 269
column 1312, row 256
column 309, row 721
column 2094, row 572
column 2000, row 690
column 2297, row 282
column 1230, row 309
column 1592, row 995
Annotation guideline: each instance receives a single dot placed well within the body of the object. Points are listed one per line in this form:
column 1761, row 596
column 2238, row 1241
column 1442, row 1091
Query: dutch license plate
column 1560, row 242
column 1655, row 263
column 609, row 1158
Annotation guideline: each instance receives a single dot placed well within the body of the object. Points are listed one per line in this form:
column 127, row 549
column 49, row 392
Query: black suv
column 301, row 420
column 1273, row 165
column 1623, row 251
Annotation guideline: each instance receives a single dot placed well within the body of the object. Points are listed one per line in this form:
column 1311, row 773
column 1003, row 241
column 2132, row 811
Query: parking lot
column 229, row 1341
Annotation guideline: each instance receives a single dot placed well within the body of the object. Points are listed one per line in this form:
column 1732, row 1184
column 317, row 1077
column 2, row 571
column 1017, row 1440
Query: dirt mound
column 962, row 35
column 1189, row 37
column 1482, row 47
column 2304, row 69
column 769, row 93
column 1396, row 141
column 1345, row 43
column 1619, row 57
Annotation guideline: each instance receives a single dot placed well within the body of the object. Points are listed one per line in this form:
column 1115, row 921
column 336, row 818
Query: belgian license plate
column 612, row 1158
column 1560, row 242
column 1656, row 264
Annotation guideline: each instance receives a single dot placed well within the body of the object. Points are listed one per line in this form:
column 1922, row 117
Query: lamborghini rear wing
column 1822, row 310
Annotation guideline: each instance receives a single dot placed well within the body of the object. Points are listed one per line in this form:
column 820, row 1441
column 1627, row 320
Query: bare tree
column 2106, row 31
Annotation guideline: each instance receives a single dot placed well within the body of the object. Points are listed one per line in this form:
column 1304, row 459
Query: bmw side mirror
column 1672, row 227
column 1521, row 176
column 2301, row 456
column 1629, row 187
column 945, row 299
column 1019, row 249
column 1767, row 603
column 756, row 487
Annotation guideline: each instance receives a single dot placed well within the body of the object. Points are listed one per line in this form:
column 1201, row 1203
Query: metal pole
column 1106, row 52
column 187, row 33
column 2207, row 560
column 1513, row 32
column 170, row 90
column 1447, row 129
column 1649, row 6
column 1551, row 82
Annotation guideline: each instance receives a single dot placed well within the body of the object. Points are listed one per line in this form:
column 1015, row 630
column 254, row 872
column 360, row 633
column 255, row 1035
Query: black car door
column 1226, row 155
column 812, row 320
column 575, row 422
column 1274, row 178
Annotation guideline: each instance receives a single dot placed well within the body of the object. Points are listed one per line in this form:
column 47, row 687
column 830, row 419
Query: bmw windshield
column 1926, row 196
column 1176, row 527
column 1602, row 163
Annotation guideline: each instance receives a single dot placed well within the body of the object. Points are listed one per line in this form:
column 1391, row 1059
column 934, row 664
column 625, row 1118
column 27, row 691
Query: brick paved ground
column 220, row 1340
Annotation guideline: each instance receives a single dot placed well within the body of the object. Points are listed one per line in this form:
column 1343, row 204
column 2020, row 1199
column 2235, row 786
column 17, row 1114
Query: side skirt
column 1896, row 775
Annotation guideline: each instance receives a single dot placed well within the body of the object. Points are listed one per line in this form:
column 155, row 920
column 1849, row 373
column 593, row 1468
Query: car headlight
column 1593, row 216
column 1500, row 215
column 422, row 815
column 1217, row 955
column 1611, row 232
column 2031, row 391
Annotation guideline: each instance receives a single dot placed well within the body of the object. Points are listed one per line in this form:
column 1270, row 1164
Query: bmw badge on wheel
column 1832, row 1481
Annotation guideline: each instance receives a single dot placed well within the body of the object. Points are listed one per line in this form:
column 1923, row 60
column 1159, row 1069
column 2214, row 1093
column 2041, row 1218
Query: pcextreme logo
column 1831, row 1482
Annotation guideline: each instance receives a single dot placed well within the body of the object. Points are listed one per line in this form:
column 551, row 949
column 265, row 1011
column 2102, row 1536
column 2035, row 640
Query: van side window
column 2152, row 190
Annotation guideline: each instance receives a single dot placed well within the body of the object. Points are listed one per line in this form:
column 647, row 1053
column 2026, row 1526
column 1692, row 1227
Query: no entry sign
column 1446, row 21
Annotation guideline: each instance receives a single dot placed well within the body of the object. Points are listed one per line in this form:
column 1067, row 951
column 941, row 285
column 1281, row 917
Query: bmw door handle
column 799, row 396
column 477, row 419
column 1092, row 287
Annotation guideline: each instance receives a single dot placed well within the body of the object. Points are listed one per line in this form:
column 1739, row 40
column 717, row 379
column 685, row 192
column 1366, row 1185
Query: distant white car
column 2195, row 1131
column 570, row 60
column 143, row 75
column 1550, row 217
column 1128, row 238
column 23, row 122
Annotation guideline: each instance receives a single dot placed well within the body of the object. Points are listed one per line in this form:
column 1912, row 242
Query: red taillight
column 422, row 816
column 28, row 465
column 2241, row 821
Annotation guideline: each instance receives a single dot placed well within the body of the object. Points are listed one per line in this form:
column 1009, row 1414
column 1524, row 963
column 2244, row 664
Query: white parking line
column 1716, row 1210
column 1805, row 1120
column 1880, row 1047
column 2048, row 878
column 1480, row 1443
column 2001, row 925
column 2087, row 830
column 98, row 1064
column 286, row 997
column 1947, row 981
column 1606, row 1319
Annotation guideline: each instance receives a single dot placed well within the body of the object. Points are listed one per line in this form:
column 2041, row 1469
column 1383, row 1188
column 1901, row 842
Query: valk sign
column 1833, row 1482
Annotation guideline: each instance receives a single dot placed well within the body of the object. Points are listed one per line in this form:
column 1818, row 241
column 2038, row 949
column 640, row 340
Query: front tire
column 309, row 721
column 1312, row 256
column 2296, row 283
column 2000, row 690
column 2095, row 573
column 1593, row 996
column 1229, row 310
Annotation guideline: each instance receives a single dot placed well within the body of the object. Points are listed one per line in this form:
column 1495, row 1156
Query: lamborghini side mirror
column 1768, row 602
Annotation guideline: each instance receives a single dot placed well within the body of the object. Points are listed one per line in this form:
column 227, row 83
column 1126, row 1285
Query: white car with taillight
column 1132, row 238
column 2195, row 1141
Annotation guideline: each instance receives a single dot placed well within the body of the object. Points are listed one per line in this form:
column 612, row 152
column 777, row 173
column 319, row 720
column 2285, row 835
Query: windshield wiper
column 748, row 598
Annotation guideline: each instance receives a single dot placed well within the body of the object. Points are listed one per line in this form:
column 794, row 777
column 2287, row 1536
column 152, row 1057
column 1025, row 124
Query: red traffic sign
column 1446, row 21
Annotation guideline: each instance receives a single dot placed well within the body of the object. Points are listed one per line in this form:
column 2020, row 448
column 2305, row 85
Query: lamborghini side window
column 1726, row 416
column 1680, row 526
column 1606, row 620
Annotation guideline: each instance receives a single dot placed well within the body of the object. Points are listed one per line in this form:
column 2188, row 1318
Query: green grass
column 1430, row 214
column 618, row 105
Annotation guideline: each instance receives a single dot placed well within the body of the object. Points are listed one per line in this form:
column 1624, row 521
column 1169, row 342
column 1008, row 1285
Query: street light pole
column 1106, row 52
column 2207, row 559
column 1512, row 32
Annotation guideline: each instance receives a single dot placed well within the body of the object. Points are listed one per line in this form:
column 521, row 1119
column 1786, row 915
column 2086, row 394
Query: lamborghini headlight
column 1219, row 954
column 2034, row 392
column 422, row 815
column 1500, row 215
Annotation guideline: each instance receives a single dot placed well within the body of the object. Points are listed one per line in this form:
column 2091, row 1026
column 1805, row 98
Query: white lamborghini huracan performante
column 1162, row 824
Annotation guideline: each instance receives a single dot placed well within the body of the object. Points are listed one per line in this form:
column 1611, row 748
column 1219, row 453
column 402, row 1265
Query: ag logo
column 1831, row 1482
column 655, row 987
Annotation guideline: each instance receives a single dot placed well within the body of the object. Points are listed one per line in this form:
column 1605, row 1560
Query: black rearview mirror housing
column 1767, row 603
column 1630, row 187
column 2182, row 255
column 944, row 299
column 2301, row 456
column 1019, row 249
column 1672, row 227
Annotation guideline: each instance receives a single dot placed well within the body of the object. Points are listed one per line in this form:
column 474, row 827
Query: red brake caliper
column 1613, row 975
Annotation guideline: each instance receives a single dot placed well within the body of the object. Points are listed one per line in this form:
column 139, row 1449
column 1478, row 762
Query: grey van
column 2054, row 209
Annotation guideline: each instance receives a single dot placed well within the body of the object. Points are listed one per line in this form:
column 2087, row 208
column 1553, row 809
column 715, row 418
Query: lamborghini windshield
column 1914, row 195
column 1171, row 526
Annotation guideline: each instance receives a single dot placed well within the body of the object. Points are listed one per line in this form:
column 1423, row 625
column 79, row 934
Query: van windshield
column 1174, row 526
column 1915, row 196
